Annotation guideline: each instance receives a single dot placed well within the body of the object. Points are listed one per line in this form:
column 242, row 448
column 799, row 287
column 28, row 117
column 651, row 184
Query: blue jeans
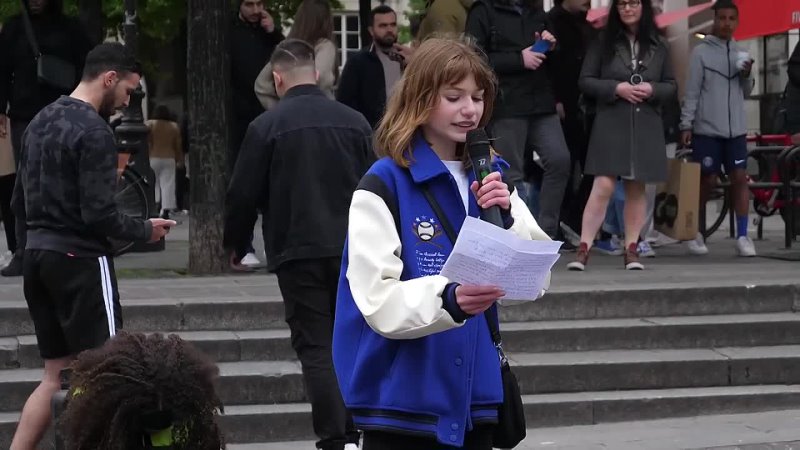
column 529, row 193
column 614, row 222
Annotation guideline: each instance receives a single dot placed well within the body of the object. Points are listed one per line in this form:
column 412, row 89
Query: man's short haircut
column 725, row 4
column 381, row 9
column 292, row 53
column 111, row 56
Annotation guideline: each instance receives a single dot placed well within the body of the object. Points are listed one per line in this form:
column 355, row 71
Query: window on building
column 346, row 34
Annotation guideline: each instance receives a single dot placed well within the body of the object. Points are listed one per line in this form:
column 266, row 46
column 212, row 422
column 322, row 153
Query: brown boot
column 581, row 259
column 632, row 258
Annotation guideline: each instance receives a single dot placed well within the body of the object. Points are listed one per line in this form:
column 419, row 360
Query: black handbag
column 51, row 70
column 510, row 429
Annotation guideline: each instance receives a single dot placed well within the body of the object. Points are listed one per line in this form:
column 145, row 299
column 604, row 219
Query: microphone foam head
column 477, row 143
column 477, row 136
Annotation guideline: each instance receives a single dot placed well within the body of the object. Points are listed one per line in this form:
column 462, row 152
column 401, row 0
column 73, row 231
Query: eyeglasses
column 632, row 4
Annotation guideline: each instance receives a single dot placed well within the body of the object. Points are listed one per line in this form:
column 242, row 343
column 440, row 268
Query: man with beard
column 254, row 35
column 22, row 94
column 68, row 175
column 370, row 75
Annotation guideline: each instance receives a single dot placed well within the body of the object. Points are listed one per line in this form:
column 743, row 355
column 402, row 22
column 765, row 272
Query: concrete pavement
column 775, row 430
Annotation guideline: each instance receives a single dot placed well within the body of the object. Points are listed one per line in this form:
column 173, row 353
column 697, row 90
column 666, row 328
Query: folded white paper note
column 488, row 255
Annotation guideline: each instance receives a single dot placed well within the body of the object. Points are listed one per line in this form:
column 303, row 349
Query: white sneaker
column 350, row 447
column 657, row 239
column 745, row 247
column 570, row 235
column 645, row 251
column 5, row 258
column 250, row 260
column 697, row 246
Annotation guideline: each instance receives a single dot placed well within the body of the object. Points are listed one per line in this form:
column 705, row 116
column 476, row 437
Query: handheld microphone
column 481, row 158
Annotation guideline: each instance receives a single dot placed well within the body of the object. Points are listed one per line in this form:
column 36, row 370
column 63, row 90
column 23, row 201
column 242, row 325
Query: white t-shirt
column 462, row 180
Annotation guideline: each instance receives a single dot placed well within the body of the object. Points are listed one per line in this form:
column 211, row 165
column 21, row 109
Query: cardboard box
column 677, row 203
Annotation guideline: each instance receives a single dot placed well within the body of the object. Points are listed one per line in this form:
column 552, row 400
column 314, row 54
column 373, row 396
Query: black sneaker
column 567, row 246
column 13, row 269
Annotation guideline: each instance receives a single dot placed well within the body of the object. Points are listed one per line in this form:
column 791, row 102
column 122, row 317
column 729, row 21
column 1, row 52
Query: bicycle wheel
column 131, row 200
column 721, row 194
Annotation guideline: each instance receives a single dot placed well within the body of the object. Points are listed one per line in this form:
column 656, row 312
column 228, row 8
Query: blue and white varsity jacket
column 408, row 360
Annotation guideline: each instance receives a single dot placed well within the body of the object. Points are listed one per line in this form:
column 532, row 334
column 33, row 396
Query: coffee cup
column 742, row 58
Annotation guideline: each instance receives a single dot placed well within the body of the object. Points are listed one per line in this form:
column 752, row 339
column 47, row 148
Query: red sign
column 766, row 17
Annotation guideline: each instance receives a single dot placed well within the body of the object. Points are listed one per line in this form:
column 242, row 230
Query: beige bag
column 265, row 88
column 678, row 201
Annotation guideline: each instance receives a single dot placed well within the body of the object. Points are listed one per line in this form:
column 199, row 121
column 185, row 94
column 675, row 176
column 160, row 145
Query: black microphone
column 481, row 158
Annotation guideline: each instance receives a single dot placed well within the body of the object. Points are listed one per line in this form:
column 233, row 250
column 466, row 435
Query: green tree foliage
column 286, row 8
column 415, row 9
column 160, row 20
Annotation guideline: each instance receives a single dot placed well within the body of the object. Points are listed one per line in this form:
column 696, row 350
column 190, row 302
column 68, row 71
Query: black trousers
column 9, row 222
column 309, row 294
column 580, row 184
column 480, row 438
column 21, row 228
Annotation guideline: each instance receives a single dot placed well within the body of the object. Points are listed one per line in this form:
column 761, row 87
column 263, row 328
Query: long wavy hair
column 615, row 28
column 137, row 385
column 313, row 22
column 438, row 62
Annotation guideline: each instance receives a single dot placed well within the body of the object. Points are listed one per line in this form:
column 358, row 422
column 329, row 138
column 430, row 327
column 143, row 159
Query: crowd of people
column 364, row 181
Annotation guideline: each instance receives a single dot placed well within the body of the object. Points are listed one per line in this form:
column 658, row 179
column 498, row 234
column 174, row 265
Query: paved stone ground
column 776, row 430
column 672, row 266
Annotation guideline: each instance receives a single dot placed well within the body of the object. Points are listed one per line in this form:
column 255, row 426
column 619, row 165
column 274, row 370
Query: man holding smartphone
column 254, row 35
column 68, row 175
column 517, row 42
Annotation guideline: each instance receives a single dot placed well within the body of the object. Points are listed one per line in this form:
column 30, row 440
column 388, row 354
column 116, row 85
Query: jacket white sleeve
column 525, row 227
column 394, row 309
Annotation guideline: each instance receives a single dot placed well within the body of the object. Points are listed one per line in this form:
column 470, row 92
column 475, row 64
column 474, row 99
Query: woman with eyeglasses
column 627, row 74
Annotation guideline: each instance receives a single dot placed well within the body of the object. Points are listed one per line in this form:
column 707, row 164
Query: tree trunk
column 208, row 109
column 364, row 7
column 91, row 15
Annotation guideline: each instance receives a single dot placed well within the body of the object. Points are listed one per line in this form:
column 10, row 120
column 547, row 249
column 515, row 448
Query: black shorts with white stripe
column 73, row 301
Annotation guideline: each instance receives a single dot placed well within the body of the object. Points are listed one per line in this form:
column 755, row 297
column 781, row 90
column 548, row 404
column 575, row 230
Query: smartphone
column 541, row 46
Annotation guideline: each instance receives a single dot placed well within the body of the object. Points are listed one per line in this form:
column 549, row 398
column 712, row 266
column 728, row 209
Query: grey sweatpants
column 542, row 134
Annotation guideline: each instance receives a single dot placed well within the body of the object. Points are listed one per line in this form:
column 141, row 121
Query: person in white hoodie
column 713, row 118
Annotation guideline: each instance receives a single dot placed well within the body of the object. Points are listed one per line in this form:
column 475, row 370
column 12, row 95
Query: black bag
column 510, row 429
column 51, row 70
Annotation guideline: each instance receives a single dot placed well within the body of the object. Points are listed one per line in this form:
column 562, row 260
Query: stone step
column 255, row 424
column 738, row 330
column 244, row 383
column 221, row 346
column 262, row 307
column 269, row 423
column 234, row 313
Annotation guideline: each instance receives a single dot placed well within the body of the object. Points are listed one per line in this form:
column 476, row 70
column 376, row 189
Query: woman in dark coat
column 627, row 73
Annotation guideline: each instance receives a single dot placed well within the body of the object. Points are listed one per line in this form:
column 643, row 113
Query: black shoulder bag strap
column 491, row 313
column 26, row 20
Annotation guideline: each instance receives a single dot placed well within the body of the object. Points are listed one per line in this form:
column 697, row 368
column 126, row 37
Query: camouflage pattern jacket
column 66, row 181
